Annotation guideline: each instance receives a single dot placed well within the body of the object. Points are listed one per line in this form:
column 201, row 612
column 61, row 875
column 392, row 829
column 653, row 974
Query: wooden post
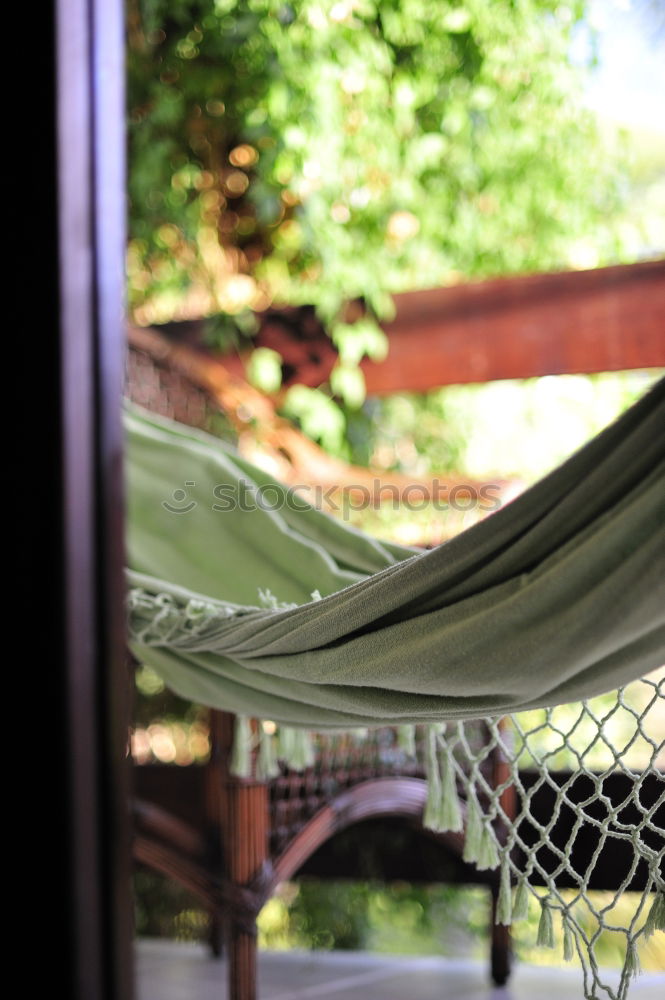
column 501, row 945
column 215, row 779
column 241, row 806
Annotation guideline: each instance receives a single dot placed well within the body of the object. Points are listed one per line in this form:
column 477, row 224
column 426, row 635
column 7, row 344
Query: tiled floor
column 175, row 971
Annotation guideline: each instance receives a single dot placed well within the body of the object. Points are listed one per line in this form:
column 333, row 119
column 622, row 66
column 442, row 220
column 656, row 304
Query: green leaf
column 264, row 369
column 348, row 382
column 319, row 417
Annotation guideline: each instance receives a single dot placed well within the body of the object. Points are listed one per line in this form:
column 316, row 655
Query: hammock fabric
column 556, row 597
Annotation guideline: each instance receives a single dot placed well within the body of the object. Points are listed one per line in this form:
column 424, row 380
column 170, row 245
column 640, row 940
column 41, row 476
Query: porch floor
column 169, row 970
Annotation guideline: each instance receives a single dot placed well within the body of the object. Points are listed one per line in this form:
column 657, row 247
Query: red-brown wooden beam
column 606, row 319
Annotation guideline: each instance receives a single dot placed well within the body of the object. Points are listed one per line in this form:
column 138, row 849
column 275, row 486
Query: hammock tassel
column 545, row 925
column 305, row 755
column 568, row 939
column 521, row 901
column 488, row 855
column 632, row 964
column 504, row 902
column 241, row 754
column 451, row 813
column 474, row 830
column 406, row 740
column 656, row 918
column 431, row 815
column 266, row 761
column 285, row 743
column 294, row 747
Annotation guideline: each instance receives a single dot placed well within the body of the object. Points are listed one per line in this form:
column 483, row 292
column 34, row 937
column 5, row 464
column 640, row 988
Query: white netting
column 552, row 799
column 598, row 768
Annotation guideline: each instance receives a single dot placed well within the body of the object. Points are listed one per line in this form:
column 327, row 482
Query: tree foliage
column 336, row 151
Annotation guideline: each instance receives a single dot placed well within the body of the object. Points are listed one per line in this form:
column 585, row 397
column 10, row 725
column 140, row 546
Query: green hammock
column 244, row 597
column 556, row 597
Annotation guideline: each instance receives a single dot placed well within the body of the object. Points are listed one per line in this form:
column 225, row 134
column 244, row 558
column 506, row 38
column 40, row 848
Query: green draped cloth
column 243, row 597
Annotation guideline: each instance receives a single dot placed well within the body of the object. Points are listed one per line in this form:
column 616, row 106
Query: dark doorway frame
column 85, row 846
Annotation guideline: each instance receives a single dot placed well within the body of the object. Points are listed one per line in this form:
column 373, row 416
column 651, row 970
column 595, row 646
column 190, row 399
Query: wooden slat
column 608, row 319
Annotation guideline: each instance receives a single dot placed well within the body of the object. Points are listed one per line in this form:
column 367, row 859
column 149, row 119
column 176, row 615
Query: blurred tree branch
column 275, row 444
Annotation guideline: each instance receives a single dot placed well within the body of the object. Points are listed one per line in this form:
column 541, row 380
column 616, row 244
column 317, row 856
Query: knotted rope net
column 546, row 799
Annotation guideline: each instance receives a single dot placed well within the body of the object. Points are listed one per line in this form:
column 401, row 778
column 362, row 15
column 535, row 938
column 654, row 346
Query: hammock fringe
column 406, row 740
column 568, row 939
column 267, row 766
column 656, row 918
column 545, row 938
column 521, row 901
column 504, row 907
column 241, row 752
column 451, row 811
column 295, row 748
column 474, row 830
column 632, row 967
